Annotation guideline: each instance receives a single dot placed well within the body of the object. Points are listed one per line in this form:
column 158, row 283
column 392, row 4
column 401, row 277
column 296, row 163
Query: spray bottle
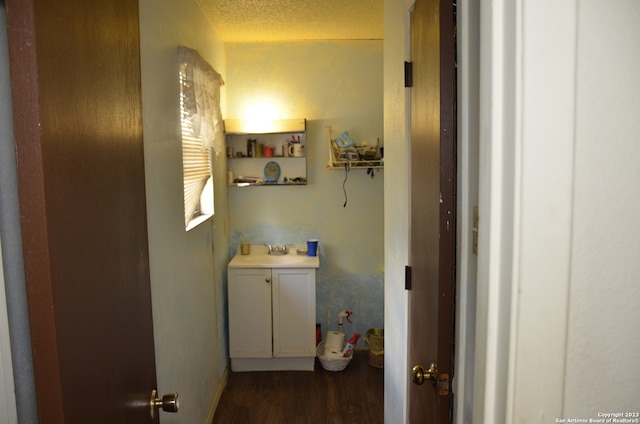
column 349, row 347
column 335, row 339
column 343, row 314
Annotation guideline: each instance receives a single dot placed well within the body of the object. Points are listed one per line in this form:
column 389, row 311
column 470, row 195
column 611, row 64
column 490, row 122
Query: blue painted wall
column 335, row 84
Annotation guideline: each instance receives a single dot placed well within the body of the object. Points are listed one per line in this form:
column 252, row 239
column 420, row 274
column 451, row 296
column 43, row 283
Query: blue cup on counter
column 312, row 247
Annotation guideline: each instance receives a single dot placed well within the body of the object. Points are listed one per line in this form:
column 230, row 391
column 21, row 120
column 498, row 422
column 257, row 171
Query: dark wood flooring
column 352, row 396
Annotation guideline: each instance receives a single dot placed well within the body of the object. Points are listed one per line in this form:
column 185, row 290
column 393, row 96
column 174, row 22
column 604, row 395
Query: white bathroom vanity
column 272, row 310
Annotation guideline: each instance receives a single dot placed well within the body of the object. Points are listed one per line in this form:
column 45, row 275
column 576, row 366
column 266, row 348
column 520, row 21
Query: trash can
column 375, row 339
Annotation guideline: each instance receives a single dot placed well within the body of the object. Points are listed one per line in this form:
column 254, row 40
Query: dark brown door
column 433, row 214
column 75, row 75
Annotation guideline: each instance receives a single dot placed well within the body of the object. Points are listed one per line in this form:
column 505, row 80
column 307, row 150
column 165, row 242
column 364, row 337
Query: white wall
column 187, row 268
column 558, row 281
column 330, row 83
column 604, row 286
column 396, row 209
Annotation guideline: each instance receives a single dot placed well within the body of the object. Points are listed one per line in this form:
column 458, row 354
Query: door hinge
column 408, row 74
column 407, row 277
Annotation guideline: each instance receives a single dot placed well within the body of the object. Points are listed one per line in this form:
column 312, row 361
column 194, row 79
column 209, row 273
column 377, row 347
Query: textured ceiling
column 292, row 20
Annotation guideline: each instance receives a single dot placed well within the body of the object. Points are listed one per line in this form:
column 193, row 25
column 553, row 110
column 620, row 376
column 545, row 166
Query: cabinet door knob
column 268, row 280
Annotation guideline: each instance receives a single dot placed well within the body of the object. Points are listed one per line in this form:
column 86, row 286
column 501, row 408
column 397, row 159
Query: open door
column 76, row 93
column 433, row 213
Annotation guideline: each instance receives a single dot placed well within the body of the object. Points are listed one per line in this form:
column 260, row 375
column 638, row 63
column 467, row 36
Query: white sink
column 260, row 258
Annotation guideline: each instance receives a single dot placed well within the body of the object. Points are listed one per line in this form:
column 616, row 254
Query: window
column 201, row 125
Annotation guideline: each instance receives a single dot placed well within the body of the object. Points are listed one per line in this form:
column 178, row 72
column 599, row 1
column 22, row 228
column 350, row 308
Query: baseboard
column 218, row 395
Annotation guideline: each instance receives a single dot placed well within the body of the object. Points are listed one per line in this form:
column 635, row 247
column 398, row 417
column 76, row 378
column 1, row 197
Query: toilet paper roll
column 335, row 340
column 333, row 353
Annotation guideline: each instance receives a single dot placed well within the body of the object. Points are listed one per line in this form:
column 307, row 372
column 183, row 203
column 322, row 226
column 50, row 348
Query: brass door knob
column 419, row 375
column 168, row 403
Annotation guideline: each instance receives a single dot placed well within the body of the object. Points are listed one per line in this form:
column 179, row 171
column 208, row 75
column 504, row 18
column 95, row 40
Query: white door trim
column 526, row 183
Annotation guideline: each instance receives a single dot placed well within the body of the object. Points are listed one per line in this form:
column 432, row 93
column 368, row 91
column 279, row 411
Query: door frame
column 468, row 84
column 8, row 219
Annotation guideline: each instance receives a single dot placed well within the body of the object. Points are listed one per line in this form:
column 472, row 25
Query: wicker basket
column 375, row 340
column 376, row 360
column 331, row 363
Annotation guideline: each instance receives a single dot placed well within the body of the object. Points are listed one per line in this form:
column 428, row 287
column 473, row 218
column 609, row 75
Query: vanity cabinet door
column 294, row 312
column 250, row 313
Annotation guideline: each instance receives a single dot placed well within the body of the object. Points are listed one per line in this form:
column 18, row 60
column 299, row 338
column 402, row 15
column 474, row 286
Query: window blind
column 200, row 126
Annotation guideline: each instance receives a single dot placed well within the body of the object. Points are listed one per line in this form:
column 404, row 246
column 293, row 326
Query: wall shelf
column 356, row 164
column 248, row 164
column 252, row 183
column 370, row 159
